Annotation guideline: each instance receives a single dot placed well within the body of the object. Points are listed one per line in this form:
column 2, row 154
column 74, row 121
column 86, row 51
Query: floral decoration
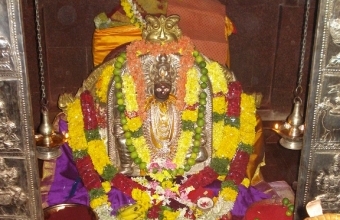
column 167, row 192
column 132, row 13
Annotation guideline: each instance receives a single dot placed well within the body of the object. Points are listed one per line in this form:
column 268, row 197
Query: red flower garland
column 89, row 111
column 87, row 173
column 238, row 166
column 234, row 99
column 125, row 184
column 200, row 179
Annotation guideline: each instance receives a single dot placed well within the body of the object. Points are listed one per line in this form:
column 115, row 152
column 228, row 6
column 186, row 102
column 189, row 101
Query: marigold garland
column 75, row 126
column 230, row 107
column 192, row 87
column 217, row 78
column 247, row 119
column 102, row 84
column 129, row 91
column 185, row 142
column 132, row 13
column 142, row 149
column 97, row 151
column 228, row 194
column 183, row 45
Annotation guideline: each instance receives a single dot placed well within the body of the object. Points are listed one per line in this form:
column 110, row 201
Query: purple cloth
column 245, row 198
column 66, row 175
column 118, row 199
column 215, row 187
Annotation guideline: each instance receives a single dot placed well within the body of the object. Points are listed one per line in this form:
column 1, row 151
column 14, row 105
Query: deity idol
column 162, row 126
column 161, row 110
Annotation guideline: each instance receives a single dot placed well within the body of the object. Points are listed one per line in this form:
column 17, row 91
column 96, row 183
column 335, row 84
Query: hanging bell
column 48, row 142
column 45, row 129
column 291, row 131
column 295, row 120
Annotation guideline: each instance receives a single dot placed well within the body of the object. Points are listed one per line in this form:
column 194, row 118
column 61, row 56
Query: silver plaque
column 319, row 173
column 19, row 186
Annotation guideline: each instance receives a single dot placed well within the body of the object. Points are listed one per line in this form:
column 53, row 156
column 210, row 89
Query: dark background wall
column 264, row 52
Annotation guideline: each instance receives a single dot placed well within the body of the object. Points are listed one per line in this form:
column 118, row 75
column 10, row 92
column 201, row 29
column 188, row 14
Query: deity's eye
column 169, row 24
column 158, row 89
column 166, row 89
column 155, row 26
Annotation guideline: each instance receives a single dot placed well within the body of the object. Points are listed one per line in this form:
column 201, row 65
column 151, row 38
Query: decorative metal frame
column 19, row 178
column 319, row 173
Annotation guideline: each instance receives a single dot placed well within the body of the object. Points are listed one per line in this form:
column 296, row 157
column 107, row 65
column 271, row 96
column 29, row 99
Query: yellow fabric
column 106, row 40
column 257, row 157
column 229, row 29
column 47, row 180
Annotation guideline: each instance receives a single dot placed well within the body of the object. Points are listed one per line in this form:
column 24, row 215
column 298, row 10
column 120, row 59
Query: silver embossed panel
column 319, row 173
column 19, row 179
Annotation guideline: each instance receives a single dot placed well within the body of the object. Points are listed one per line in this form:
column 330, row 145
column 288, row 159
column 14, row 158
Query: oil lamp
column 48, row 142
column 292, row 130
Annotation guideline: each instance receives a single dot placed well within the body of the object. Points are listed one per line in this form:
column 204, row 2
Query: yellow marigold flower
column 217, row 77
column 218, row 134
column 192, row 87
column 103, row 83
column 99, row 156
column 184, row 143
column 167, row 184
column 198, row 212
column 127, row 8
column 94, row 203
column 247, row 119
column 169, row 215
column 161, row 176
column 129, row 92
column 77, row 139
column 142, row 148
column 156, row 197
column 228, row 194
column 106, row 186
column 175, row 188
column 219, row 105
column 229, row 144
column 134, row 124
column 245, row 182
column 189, row 115
column 221, row 178
column 141, row 197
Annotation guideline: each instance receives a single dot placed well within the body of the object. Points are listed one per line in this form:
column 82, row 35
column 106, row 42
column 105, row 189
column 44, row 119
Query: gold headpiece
column 162, row 29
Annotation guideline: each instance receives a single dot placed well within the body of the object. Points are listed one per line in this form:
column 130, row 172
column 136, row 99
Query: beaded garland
column 233, row 120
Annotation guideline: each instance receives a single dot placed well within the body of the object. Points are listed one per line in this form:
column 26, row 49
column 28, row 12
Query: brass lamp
column 292, row 130
column 48, row 142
